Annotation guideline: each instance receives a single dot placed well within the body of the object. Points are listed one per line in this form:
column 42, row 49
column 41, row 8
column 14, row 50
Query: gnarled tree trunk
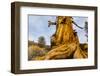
column 66, row 41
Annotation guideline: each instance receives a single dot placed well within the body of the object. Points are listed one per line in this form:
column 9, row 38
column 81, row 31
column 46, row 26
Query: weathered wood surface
column 65, row 43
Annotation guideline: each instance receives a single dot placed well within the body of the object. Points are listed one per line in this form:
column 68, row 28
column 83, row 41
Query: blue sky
column 38, row 26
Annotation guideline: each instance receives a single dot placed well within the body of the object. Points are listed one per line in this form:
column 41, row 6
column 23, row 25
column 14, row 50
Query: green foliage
column 41, row 41
column 86, row 27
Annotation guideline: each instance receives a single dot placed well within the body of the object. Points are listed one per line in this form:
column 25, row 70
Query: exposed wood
column 65, row 42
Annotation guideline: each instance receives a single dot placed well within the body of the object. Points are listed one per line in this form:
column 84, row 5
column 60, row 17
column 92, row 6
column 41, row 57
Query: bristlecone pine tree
column 64, row 42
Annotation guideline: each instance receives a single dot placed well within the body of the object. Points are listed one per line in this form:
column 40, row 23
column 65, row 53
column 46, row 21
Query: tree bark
column 65, row 43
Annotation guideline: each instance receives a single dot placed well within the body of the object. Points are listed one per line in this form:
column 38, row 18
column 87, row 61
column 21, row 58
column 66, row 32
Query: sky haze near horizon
column 38, row 26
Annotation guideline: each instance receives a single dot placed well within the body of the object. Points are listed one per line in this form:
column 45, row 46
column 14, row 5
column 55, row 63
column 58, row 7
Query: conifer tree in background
column 41, row 41
column 86, row 29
